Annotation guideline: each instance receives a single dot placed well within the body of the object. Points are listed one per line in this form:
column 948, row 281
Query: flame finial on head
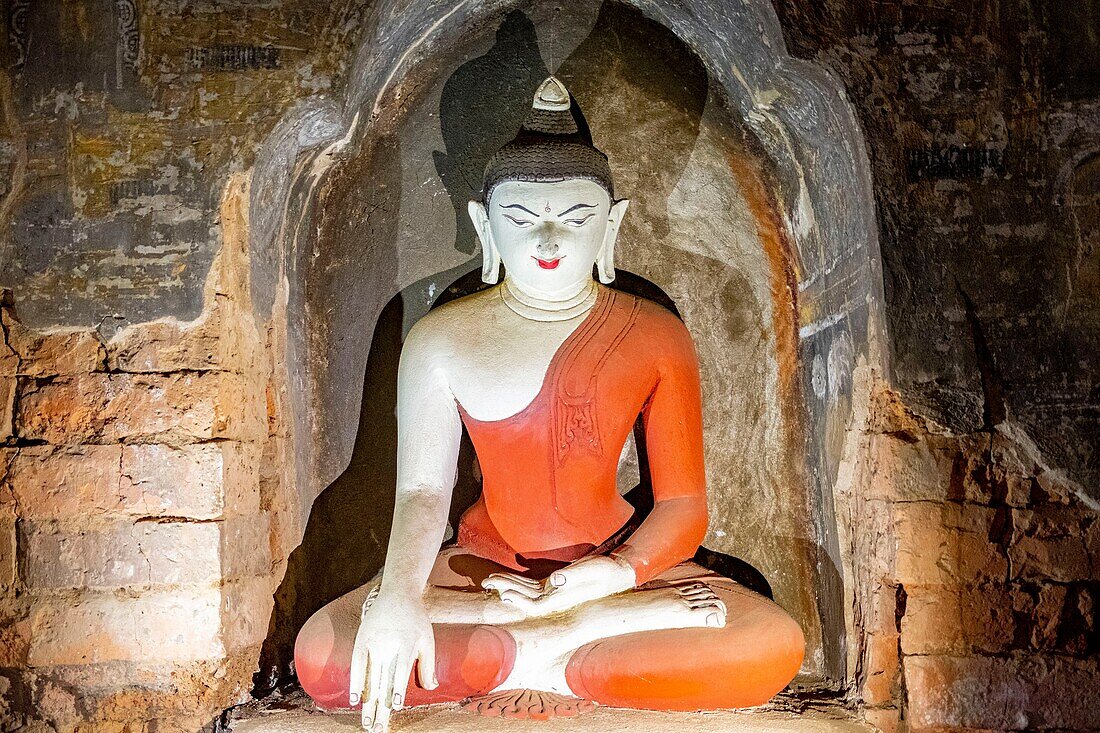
column 551, row 95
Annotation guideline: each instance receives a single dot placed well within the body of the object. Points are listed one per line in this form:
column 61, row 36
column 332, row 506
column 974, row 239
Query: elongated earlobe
column 490, row 257
column 605, row 260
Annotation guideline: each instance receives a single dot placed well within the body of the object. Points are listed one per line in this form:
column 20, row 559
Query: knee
column 767, row 635
column 757, row 658
column 313, row 644
column 319, row 662
column 771, row 652
column 786, row 641
column 745, row 663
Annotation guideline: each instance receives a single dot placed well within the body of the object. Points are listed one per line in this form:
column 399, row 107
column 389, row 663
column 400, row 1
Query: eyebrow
column 578, row 206
column 517, row 206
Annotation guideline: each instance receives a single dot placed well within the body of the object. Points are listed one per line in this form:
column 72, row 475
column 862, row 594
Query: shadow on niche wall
column 481, row 107
column 652, row 91
column 344, row 538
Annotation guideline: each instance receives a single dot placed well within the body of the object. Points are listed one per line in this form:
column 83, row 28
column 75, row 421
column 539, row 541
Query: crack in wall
column 994, row 407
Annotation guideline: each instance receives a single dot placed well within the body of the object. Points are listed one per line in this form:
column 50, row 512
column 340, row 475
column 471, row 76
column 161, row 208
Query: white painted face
column 548, row 235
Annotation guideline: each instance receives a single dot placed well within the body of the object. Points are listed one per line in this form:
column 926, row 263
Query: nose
column 547, row 245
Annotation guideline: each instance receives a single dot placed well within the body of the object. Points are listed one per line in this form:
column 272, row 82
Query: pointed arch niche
column 751, row 209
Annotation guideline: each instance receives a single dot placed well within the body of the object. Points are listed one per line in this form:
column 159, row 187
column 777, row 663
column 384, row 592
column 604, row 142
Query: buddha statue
column 554, row 598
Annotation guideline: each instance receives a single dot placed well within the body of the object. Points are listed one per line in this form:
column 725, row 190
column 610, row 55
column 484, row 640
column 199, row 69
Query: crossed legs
column 617, row 651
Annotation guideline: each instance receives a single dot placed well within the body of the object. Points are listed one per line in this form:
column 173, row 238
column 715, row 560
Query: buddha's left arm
column 673, row 420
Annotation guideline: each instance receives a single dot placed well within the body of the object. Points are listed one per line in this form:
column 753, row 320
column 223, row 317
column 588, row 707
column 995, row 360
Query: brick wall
column 979, row 573
column 140, row 539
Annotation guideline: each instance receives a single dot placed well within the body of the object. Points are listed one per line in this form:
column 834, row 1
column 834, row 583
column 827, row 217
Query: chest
column 501, row 363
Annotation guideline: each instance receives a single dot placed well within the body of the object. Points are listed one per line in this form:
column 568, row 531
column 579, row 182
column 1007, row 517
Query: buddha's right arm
column 429, row 431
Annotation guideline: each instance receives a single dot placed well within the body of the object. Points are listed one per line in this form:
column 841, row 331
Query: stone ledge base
column 296, row 715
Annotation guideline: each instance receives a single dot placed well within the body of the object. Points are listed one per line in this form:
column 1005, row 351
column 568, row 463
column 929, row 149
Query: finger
column 402, row 673
column 503, row 585
column 558, row 579
column 498, row 581
column 370, row 697
column 713, row 602
column 531, row 608
column 385, row 698
column 358, row 674
column 696, row 592
column 513, row 577
column 426, row 664
column 518, row 578
column 520, row 600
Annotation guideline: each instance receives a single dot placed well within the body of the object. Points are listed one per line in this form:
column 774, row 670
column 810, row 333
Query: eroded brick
column 246, row 611
column 880, row 669
column 1052, row 543
column 886, row 720
column 54, row 352
column 64, row 410
column 1002, row 693
column 220, row 339
column 179, row 625
column 947, row 544
column 957, row 620
column 188, row 406
column 7, row 407
column 241, row 466
column 970, row 692
column 932, row 468
column 15, row 643
column 139, row 480
column 246, row 546
column 185, row 481
column 167, row 408
column 48, row 481
column 119, row 554
column 8, row 566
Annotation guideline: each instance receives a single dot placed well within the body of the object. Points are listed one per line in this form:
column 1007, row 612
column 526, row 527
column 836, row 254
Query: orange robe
column 549, row 489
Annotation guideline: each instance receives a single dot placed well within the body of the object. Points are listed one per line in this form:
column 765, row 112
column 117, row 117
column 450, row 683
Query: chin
column 553, row 280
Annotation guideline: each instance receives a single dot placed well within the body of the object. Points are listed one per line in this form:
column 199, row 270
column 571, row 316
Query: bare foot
column 447, row 606
column 544, row 644
column 689, row 605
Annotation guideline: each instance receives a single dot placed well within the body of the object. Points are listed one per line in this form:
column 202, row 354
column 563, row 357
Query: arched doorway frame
column 798, row 111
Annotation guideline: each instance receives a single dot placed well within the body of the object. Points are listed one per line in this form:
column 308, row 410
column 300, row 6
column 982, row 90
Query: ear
column 490, row 258
column 605, row 259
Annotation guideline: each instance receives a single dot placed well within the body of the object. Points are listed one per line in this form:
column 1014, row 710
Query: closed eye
column 579, row 222
column 517, row 222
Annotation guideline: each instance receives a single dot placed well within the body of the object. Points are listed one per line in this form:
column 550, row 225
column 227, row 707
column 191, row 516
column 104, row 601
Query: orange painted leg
column 470, row 660
column 754, row 656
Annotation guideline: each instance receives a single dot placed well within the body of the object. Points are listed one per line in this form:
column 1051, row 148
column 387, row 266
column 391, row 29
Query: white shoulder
column 441, row 333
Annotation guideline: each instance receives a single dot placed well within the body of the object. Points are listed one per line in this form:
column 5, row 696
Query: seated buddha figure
column 554, row 598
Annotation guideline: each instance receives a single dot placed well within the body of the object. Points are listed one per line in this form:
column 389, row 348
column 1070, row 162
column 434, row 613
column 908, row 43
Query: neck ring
column 537, row 309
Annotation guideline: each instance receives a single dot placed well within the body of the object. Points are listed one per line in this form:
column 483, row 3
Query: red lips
column 548, row 264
